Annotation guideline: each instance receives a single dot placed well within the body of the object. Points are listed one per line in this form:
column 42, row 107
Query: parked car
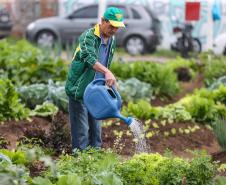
column 5, row 23
column 142, row 31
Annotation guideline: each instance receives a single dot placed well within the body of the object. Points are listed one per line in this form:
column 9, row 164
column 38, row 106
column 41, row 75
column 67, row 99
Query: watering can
column 104, row 102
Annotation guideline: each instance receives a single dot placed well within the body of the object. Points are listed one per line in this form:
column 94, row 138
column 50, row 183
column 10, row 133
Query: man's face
column 107, row 29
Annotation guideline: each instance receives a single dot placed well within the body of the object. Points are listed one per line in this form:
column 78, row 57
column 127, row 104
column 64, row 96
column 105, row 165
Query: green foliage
column 219, row 94
column 91, row 166
column 219, row 128
column 166, row 53
column 23, row 64
column 201, row 109
column 141, row 110
column 140, row 169
column 33, row 95
column 44, row 110
column 201, row 170
column 99, row 167
column 218, row 82
column 214, row 67
column 17, row 157
column 174, row 112
column 133, row 89
column 162, row 78
column 154, row 169
column 220, row 180
column 37, row 94
column 10, row 106
column 69, row 179
column 172, row 170
column 181, row 62
column 11, row 174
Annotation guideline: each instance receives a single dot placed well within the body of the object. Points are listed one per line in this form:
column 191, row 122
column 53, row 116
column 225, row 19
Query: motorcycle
column 185, row 43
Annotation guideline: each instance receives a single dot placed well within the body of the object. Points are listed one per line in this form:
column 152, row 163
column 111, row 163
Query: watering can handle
column 113, row 88
column 98, row 80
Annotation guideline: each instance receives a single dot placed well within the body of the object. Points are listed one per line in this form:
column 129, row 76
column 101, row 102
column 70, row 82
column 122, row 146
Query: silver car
column 141, row 35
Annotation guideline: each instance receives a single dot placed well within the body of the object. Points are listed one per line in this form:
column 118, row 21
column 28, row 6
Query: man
column 91, row 60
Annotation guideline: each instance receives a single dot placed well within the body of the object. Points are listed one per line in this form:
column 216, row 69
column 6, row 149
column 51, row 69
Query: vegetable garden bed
column 178, row 118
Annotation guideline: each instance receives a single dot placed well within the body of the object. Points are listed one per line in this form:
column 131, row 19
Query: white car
column 219, row 44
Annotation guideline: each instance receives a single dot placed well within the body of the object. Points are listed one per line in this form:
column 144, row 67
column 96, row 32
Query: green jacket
column 81, row 71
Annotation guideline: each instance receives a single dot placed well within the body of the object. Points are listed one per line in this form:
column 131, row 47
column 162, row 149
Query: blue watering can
column 104, row 102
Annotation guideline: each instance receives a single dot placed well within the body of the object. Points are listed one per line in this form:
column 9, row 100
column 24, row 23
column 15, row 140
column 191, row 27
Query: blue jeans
column 85, row 130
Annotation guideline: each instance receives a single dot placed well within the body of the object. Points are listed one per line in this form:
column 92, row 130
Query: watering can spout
column 126, row 120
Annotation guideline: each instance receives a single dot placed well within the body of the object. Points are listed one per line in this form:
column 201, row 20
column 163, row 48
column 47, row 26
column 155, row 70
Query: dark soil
column 36, row 168
column 178, row 143
column 219, row 156
column 59, row 139
column 11, row 131
column 183, row 74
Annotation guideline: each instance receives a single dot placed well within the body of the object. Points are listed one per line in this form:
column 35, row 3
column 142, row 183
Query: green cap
column 114, row 16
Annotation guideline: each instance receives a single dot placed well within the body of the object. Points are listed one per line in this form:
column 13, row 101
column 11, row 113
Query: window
column 90, row 12
column 136, row 15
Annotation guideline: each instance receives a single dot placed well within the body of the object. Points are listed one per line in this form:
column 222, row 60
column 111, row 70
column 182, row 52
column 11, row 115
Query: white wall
column 167, row 10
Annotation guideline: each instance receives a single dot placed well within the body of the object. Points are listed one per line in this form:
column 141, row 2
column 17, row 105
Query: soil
column 179, row 143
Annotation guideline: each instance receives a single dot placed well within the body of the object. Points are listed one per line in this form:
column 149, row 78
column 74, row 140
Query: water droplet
column 139, row 136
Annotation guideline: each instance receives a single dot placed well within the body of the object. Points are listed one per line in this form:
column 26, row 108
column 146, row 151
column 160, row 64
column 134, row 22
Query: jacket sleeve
column 88, row 50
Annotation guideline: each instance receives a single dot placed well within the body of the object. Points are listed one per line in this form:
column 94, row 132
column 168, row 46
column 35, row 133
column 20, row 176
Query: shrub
column 162, row 78
column 10, row 106
column 23, row 64
column 154, row 169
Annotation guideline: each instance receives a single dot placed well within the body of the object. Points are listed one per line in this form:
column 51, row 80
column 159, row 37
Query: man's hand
column 110, row 78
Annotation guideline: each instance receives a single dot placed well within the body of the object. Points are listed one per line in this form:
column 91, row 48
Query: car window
column 135, row 14
column 124, row 10
column 85, row 13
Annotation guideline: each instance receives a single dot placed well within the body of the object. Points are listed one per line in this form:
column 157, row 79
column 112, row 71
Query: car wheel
column 46, row 39
column 135, row 45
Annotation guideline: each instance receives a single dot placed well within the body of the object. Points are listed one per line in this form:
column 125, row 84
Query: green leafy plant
column 141, row 110
column 219, row 94
column 132, row 89
column 23, row 64
column 201, row 109
column 214, row 67
column 174, row 112
column 140, row 169
column 44, row 110
column 37, row 94
column 10, row 106
column 155, row 169
column 219, row 128
column 91, row 165
column 201, row 169
column 162, row 78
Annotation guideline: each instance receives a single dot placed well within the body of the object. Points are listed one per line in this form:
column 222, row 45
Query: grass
column 158, row 53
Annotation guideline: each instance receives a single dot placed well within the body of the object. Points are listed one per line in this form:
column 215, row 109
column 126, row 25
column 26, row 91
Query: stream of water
column 139, row 135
